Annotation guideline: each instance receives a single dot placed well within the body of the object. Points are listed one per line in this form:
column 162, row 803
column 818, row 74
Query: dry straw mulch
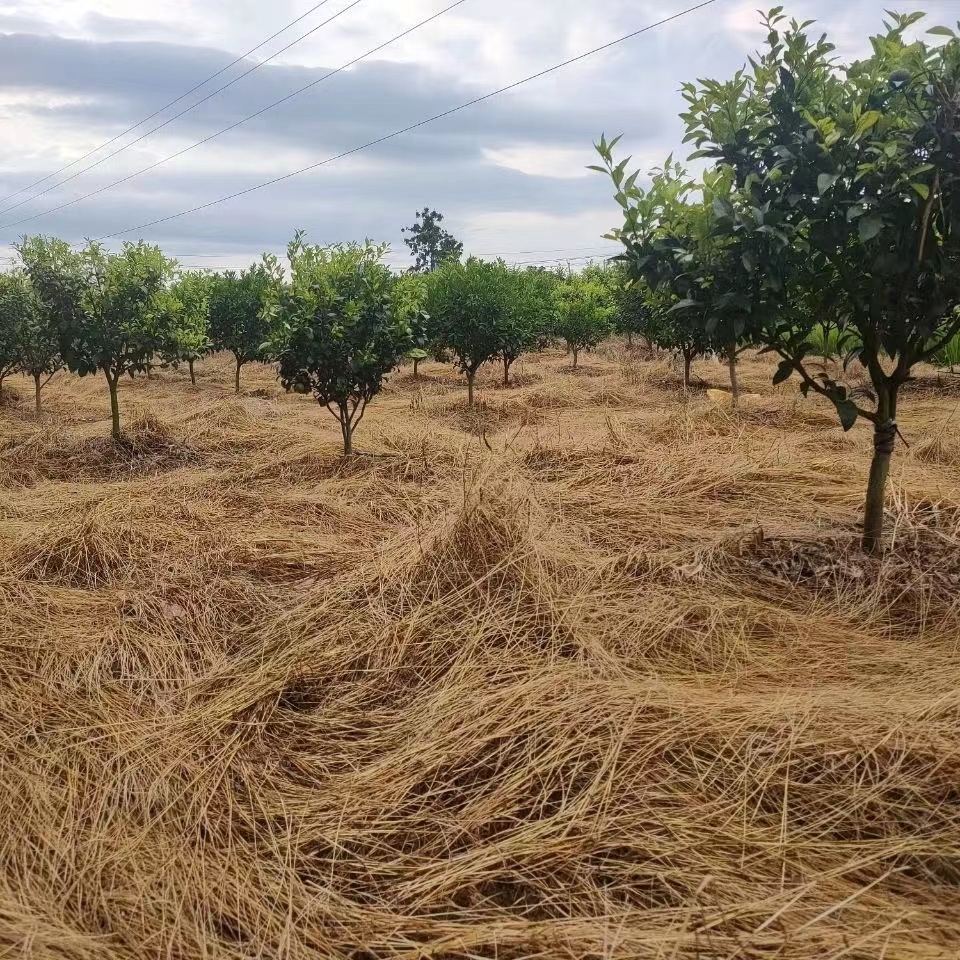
column 596, row 672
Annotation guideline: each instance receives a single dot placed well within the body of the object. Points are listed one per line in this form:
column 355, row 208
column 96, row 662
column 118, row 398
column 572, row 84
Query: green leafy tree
column 849, row 195
column 584, row 314
column 107, row 305
column 465, row 306
column 338, row 332
column 12, row 295
column 238, row 321
column 527, row 314
column 429, row 243
column 187, row 300
column 31, row 331
column 676, row 242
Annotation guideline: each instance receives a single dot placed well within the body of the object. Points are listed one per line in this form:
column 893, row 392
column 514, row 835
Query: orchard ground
column 591, row 671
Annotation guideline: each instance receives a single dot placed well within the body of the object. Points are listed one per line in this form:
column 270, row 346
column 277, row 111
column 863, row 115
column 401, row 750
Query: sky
column 509, row 174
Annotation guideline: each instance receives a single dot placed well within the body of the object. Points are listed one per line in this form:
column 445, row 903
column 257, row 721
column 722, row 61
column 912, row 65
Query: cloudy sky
column 508, row 173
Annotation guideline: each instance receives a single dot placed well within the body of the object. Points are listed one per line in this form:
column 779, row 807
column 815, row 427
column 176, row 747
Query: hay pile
column 609, row 682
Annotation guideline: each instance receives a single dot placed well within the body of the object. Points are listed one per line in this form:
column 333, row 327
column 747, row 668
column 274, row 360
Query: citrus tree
column 238, row 322
column 465, row 305
column 527, row 314
column 337, row 331
column 29, row 332
column 848, row 181
column 187, row 300
column 107, row 305
column 584, row 313
column 11, row 305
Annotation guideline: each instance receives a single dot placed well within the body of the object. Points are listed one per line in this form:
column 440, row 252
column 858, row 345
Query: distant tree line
column 335, row 319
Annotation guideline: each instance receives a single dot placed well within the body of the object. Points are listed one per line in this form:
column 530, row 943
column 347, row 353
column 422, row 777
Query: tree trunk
column 884, row 440
column 236, row 381
column 416, row 371
column 114, row 405
column 734, row 383
column 576, row 356
column 2, row 378
column 346, row 428
column 687, row 360
column 470, row 375
column 630, row 339
column 36, row 381
column 193, row 376
column 506, row 371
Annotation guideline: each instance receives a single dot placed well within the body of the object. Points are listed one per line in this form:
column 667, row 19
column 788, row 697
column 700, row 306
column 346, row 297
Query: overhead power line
column 238, row 123
column 184, row 112
column 414, row 126
column 166, row 106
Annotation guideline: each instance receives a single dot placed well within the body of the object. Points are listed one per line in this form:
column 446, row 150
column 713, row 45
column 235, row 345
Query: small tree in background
column 237, row 319
column 337, row 332
column 106, row 306
column 584, row 314
column 465, row 304
column 429, row 243
column 527, row 314
column 31, row 331
column 11, row 294
column 188, row 302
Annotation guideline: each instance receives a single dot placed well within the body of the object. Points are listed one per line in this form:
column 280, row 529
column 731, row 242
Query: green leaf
column 941, row 32
column 868, row 120
column 784, row 371
column 870, row 227
column 594, row 166
column 922, row 189
column 848, row 413
column 825, row 181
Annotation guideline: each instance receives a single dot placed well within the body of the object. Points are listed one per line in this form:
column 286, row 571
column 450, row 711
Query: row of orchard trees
column 831, row 204
column 336, row 320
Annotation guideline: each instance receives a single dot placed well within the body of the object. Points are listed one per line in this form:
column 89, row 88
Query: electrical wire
column 413, row 126
column 182, row 113
column 238, row 123
column 166, row 106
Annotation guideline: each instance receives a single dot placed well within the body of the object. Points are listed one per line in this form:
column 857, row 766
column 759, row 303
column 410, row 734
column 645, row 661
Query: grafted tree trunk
column 38, row 388
column 193, row 376
column 687, row 360
column 576, row 356
column 114, row 403
column 236, row 381
column 734, row 382
column 470, row 377
column 884, row 440
column 507, row 362
column 416, row 370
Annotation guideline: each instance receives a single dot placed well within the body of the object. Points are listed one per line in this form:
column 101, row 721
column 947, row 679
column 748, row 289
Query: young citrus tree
column 338, row 333
column 849, row 180
column 12, row 295
column 107, row 306
column 29, row 331
column 584, row 314
column 677, row 244
column 527, row 314
column 187, row 300
column 237, row 319
column 466, row 305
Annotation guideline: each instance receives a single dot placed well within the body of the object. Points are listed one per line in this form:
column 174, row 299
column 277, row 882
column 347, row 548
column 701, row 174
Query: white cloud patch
column 556, row 163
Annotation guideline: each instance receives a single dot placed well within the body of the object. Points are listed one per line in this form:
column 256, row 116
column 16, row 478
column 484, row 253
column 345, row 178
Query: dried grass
column 564, row 684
